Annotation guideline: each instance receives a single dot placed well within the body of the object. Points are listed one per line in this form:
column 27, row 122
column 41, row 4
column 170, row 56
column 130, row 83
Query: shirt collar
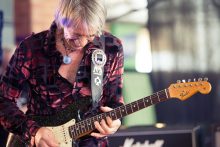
column 50, row 41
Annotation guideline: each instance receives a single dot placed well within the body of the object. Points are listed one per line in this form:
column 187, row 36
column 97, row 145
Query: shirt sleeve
column 11, row 83
column 113, row 91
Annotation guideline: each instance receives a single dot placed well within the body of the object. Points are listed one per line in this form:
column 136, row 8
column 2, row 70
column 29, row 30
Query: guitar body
column 58, row 123
column 61, row 134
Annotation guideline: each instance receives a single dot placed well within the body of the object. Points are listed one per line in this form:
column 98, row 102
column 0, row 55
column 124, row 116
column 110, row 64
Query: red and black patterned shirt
column 35, row 65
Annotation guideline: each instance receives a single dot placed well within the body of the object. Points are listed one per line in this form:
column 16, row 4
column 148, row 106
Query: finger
column 99, row 127
column 109, row 121
column 97, row 135
column 116, row 123
column 52, row 142
column 105, row 109
column 42, row 144
column 112, row 126
column 105, row 127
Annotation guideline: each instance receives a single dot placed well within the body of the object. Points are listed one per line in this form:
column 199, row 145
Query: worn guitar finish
column 67, row 130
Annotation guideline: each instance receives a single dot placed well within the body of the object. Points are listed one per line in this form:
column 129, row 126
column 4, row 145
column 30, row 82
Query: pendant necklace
column 66, row 58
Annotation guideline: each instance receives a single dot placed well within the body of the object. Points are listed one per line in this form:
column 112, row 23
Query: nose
column 83, row 41
column 77, row 42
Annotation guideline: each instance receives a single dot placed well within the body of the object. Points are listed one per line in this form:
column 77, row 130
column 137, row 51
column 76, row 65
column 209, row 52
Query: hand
column 106, row 128
column 44, row 138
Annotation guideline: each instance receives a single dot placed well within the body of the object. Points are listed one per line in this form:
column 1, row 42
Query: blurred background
column 164, row 41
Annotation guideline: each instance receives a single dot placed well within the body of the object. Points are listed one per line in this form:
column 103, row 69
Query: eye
column 93, row 35
column 77, row 35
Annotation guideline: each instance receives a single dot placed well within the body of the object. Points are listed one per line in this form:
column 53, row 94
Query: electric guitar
column 67, row 129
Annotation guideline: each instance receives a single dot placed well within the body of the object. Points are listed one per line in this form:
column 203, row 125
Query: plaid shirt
column 35, row 64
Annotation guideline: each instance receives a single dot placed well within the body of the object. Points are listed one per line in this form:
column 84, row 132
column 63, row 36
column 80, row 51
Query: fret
column 118, row 113
column 88, row 126
column 137, row 105
column 128, row 108
column 144, row 102
column 158, row 97
column 95, row 118
column 163, row 99
column 123, row 110
column 85, row 126
column 77, row 129
column 103, row 116
column 72, row 131
column 107, row 114
column 119, row 110
column 163, row 96
column 99, row 117
column 166, row 93
column 131, row 108
column 141, row 104
column 154, row 99
column 82, row 127
column 147, row 101
column 134, row 107
column 92, row 120
column 113, row 115
column 92, row 123
column 74, row 128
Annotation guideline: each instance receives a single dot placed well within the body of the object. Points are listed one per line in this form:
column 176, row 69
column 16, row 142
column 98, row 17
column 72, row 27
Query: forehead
column 78, row 29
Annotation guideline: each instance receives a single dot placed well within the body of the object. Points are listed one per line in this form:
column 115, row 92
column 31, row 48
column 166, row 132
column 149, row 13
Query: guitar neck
column 135, row 106
column 87, row 125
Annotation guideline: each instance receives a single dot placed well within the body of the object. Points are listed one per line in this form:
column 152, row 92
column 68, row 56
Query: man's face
column 78, row 37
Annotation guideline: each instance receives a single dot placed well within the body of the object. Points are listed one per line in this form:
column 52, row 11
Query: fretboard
column 87, row 125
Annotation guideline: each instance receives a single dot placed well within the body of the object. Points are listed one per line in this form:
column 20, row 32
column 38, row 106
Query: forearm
column 14, row 120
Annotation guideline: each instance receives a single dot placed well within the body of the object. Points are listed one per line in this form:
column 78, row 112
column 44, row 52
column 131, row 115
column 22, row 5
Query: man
column 56, row 66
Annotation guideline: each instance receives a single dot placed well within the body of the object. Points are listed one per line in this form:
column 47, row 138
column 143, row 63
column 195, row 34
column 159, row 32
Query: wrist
column 32, row 141
column 33, row 138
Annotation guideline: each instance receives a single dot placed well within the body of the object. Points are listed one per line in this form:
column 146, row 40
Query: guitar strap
column 97, row 71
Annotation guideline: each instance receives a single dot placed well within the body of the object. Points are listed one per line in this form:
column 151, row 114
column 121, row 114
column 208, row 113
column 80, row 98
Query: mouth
column 78, row 48
column 75, row 47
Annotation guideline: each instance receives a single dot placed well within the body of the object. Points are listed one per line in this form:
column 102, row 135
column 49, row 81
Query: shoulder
column 113, row 44
column 32, row 43
column 35, row 38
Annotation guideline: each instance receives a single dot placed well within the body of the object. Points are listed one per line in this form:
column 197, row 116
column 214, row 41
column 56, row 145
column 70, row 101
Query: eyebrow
column 78, row 34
